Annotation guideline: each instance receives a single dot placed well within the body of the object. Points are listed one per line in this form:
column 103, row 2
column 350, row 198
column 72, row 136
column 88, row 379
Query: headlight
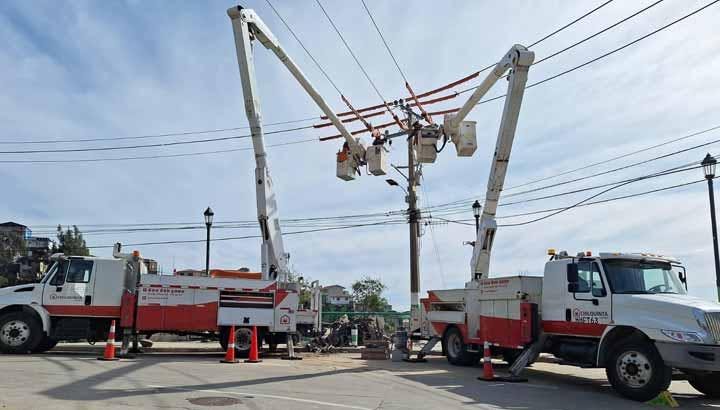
column 700, row 318
column 687, row 337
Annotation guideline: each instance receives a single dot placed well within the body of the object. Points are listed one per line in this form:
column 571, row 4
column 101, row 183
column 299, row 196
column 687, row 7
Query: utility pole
column 414, row 222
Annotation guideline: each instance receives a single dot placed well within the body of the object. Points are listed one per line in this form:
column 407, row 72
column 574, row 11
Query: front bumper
column 690, row 356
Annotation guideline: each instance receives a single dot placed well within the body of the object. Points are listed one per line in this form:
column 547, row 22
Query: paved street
column 65, row 380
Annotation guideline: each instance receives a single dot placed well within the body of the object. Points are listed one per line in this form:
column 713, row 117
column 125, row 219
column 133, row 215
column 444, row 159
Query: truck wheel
column 242, row 340
column 707, row 384
column 45, row 344
column 636, row 371
column 19, row 333
column 456, row 348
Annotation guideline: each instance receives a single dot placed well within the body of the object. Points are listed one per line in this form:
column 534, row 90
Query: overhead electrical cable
column 347, row 46
column 615, row 158
column 382, row 37
column 570, row 24
column 317, row 64
column 189, row 154
column 577, row 67
column 137, row 137
column 157, row 145
column 610, row 27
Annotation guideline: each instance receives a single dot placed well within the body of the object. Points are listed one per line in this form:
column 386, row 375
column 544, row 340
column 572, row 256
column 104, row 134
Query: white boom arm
column 518, row 59
column 247, row 26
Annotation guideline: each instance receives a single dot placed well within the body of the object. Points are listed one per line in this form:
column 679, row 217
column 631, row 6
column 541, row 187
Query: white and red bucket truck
column 627, row 313
column 80, row 296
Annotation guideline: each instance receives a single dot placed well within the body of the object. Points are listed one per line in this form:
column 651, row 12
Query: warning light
column 551, row 252
column 136, row 254
column 588, row 253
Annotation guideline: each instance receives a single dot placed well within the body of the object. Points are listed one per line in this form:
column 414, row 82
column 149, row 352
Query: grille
column 713, row 322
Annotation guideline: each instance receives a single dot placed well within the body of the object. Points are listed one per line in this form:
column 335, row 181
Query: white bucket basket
column 376, row 157
column 466, row 139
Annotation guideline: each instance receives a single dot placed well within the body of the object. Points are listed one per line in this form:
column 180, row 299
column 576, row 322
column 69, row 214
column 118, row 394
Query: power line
column 387, row 47
column 681, row 151
column 170, row 134
column 157, row 145
column 669, row 171
column 602, row 201
column 599, row 57
column 347, row 46
column 570, row 23
column 610, row 27
column 642, row 150
column 189, row 154
column 615, row 169
column 317, row 64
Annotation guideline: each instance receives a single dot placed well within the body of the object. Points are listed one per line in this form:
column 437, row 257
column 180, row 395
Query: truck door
column 588, row 306
column 70, row 291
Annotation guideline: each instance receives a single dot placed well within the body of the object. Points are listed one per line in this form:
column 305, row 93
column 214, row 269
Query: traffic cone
column 230, row 354
column 109, row 354
column 253, row 357
column 488, row 373
column 664, row 399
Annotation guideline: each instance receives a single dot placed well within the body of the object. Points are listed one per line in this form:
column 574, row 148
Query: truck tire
column 456, row 348
column 45, row 344
column 242, row 340
column 707, row 384
column 637, row 371
column 19, row 333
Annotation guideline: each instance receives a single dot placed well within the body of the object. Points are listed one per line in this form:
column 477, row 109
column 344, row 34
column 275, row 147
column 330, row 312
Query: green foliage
column 4, row 281
column 71, row 242
column 12, row 244
column 367, row 295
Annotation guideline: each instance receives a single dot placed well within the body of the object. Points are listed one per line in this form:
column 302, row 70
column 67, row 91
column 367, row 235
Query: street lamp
column 708, row 164
column 476, row 212
column 208, row 223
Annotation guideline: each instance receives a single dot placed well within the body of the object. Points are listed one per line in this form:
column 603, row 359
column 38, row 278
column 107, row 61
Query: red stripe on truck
column 573, row 328
column 82, row 310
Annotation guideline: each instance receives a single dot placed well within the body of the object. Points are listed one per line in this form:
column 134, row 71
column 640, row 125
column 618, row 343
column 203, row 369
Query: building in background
column 336, row 298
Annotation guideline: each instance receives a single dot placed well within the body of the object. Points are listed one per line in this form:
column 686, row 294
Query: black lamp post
column 708, row 164
column 476, row 212
column 208, row 223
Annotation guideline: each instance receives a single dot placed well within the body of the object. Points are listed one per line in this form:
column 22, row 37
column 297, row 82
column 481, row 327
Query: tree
column 367, row 295
column 71, row 242
column 12, row 244
column 4, row 281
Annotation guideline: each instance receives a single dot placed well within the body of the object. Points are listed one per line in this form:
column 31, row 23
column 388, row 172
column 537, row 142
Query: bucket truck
column 627, row 313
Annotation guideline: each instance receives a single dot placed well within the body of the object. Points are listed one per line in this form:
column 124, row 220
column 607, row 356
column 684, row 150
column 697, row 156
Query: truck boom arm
column 247, row 26
column 518, row 59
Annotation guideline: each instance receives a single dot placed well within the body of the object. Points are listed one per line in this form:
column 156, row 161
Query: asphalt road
column 71, row 380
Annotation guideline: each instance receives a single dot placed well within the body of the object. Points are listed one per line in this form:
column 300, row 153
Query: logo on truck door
column 593, row 317
column 285, row 320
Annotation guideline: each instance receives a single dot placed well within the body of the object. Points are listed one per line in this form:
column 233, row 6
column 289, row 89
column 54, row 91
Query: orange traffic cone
column 253, row 357
column 488, row 373
column 109, row 354
column 230, row 354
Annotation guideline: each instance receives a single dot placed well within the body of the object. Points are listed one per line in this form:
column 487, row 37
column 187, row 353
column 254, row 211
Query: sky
column 89, row 69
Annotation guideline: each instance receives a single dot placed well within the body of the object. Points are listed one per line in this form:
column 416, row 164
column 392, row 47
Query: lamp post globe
column 708, row 164
column 208, row 216
column 476, row 213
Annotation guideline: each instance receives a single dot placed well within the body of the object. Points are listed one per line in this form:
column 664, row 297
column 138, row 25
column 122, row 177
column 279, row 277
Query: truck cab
column 66, row 304
column 630, row 313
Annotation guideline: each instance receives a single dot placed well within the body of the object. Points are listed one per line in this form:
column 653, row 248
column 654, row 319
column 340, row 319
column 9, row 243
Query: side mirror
column 572, row 273
column 573, row 287
column 683, row 277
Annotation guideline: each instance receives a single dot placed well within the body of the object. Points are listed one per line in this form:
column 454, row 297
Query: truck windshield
column 643, row 277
